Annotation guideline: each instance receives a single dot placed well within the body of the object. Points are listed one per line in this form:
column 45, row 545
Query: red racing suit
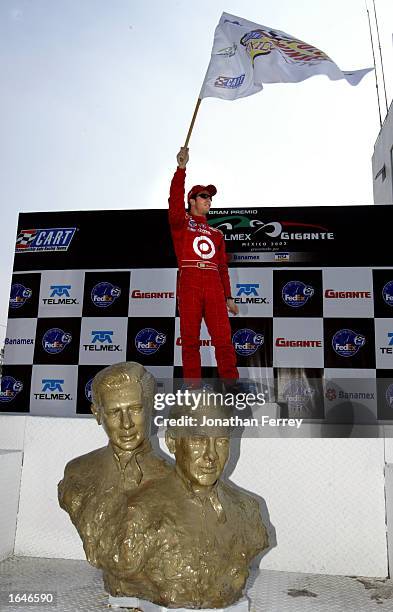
column 203, row 285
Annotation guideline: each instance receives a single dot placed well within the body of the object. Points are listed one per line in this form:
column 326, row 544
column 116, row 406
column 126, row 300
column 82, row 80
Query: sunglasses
column 205, row 196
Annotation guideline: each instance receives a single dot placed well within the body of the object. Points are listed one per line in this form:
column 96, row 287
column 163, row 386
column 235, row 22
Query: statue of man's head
column 123, row 396
column 201, row 449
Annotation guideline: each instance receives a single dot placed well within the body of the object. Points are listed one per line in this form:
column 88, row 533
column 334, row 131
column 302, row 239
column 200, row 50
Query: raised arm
column 176, row 194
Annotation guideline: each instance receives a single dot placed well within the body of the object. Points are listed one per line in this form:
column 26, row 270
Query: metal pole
column 380, row 55
column 375, row 70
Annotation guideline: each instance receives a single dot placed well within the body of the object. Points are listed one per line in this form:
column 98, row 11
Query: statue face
column 123, row 417
column 201, row 459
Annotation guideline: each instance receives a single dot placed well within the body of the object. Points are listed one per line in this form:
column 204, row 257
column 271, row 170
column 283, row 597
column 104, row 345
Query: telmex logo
column 52, row 384
column 247, row 341
column 387, row 293
column 55, row 340
column 50, row 239
column 347, row 343
column 101, row 340
column 148, row 295
column 249, row 290
column 296, row 293
column 332, row 293
column 10, row 387
column 388, row 350
column 283, row 342
column 104, row 294
column 19, row 295
column 55, row 388
column 59, row 291
column 148, row 341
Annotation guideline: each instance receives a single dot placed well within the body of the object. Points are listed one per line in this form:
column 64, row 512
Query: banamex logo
column 19, row 295
column 346, row 343
column 10, row 387
column 296, row 293
column 104, row 294
column 148, row 341
column 55, row 340
column 247, row 341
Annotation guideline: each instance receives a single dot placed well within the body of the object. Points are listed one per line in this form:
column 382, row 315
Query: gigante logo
column 52, row 389
column 283, row 342
column 250, row 291
column 62, row 292
column 101, row 341
column 332, row 293
column 148, row 295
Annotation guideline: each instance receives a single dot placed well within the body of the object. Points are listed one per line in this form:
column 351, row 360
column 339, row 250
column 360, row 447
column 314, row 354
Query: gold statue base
column 147, row 606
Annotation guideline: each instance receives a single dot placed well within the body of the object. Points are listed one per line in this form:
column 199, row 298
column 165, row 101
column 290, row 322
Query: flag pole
column 193, row 121
column 375, row 68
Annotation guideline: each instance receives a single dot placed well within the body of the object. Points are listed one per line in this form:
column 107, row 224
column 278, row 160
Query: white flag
column 246, row 55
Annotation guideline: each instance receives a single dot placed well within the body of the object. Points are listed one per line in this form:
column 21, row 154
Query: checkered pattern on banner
column 332, row 325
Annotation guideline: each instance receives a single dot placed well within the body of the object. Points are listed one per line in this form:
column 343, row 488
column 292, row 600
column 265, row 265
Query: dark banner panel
column 123, row 239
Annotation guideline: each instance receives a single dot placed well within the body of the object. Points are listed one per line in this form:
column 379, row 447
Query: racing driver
column 204, row 289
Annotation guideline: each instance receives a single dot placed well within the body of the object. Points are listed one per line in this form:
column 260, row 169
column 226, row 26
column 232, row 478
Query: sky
column 97, row 97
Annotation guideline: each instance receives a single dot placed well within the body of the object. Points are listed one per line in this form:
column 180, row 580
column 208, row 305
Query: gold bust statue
column 95, row 485
column 187, row 539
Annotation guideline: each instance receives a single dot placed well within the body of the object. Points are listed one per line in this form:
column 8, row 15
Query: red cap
column 200, row 189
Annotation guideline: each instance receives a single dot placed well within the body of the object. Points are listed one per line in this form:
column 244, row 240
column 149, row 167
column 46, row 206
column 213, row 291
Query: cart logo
column 204, row 247
column 104, row 294
column 10, row 387
column 19, row 295
column 50, row 239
